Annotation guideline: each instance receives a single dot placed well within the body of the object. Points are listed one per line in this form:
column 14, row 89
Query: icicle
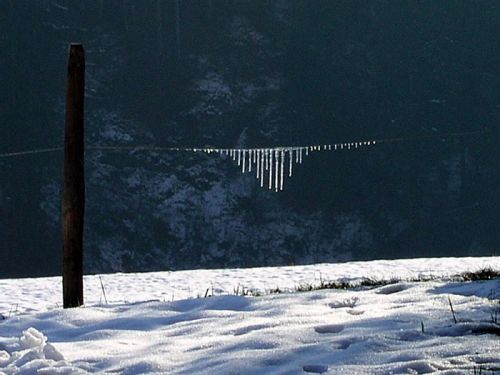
column 282, row 168
column 262, row 168
column 244, row 164
column 239, row 157
column 276, row 170
column 250, row 156
column 329, row 147
column 257, row 164
column 297, row 157
column 300, row 155
column 268, row 155
column 270, row 169
column 290, row 155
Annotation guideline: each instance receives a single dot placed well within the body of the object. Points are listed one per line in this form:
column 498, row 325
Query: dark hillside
column 253, row 74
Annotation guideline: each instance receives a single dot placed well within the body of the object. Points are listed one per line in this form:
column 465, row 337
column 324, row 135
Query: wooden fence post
column 73, row 196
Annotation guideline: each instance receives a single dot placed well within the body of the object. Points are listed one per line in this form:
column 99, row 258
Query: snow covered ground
column 153, row 322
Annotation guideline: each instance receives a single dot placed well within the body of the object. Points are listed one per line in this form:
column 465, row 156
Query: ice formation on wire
column 271, row 162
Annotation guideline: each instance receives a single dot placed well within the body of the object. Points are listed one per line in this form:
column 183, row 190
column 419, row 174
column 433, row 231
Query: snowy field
column 154, row 322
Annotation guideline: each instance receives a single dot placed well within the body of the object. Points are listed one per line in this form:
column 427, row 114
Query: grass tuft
column 369, row 283
column 484, row 274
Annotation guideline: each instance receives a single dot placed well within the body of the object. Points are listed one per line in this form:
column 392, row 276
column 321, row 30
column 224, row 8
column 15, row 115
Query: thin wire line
column 30, row 152
column 204, row 149
column 200, row 149
column 141, row 148
column 416, row 138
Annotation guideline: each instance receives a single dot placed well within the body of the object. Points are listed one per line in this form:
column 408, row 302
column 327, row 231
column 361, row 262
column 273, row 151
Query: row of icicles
column 270, row 163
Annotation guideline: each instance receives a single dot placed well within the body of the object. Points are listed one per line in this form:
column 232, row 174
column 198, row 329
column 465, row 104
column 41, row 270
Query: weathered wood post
column 73, row 196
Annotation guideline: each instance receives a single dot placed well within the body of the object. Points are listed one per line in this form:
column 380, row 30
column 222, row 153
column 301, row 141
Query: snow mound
column 33, row 354
column 404, row 327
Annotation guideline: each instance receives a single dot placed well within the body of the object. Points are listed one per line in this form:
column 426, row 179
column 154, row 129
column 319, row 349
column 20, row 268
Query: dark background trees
column 254, row 73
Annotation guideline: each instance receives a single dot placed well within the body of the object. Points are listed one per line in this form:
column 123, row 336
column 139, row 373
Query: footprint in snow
column 343, row 344
column 251, row 328
column 355, row 312
column 316, row 369
column 349, row 302
column 329, row 328
column 393, row 288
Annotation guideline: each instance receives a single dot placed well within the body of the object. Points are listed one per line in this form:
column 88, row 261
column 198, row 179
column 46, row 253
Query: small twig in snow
column 103, row 290
column 452, row 310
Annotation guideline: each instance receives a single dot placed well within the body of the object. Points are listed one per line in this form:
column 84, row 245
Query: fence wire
column 212, row 149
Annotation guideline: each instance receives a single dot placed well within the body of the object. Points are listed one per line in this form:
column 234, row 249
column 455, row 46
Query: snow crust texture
column 402, row 328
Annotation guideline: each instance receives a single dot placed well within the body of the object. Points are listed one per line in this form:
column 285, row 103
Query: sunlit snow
column 155, row 322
